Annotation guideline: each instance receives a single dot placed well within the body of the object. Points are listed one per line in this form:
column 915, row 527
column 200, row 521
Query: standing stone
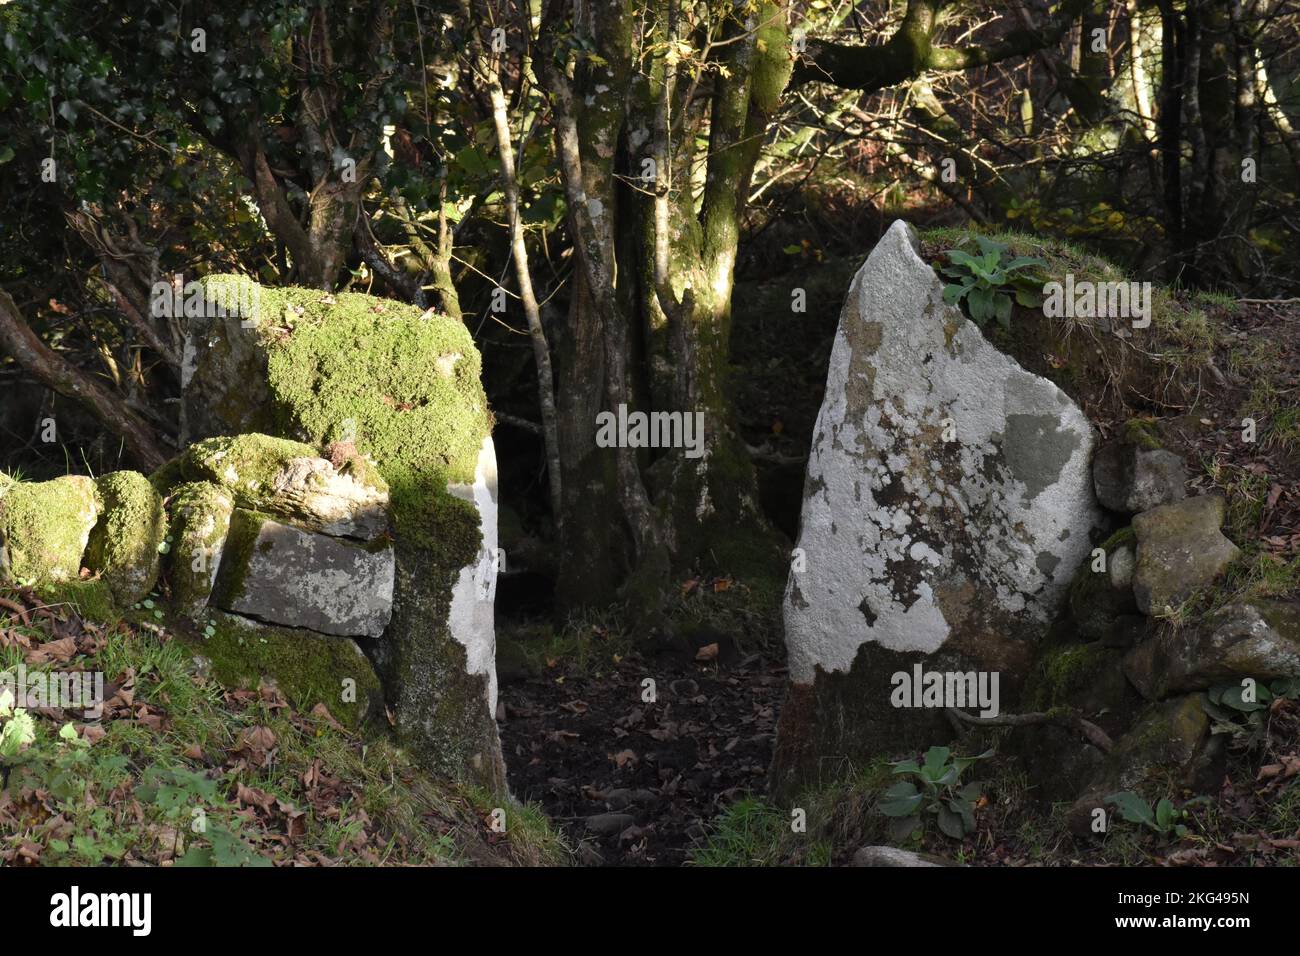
column 284, row 575
column 1179, row 549
column 947, row 506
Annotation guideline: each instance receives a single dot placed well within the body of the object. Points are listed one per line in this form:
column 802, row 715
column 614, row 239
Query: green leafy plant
column 1162, row 817
column 935, row 790
column 989, row 282
column 1234, row 709
column 19, row 730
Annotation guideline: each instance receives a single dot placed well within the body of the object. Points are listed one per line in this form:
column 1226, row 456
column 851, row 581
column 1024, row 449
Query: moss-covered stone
column 246, row 465
column 289, row 480
column 1100, row 363
column 124, row 544
column 402, row 387
column 200, row 518
column 91, row 599
column 44, row 528
column 1169, row 746
column 309, row 668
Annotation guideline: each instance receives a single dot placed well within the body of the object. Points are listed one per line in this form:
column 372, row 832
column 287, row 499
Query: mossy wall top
column 403, row 384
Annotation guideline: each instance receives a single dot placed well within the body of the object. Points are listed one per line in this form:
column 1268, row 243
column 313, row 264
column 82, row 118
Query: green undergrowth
column 588, row 641
column 836, row 819
column 1084, row 356
column 1253, row 822
column 181, row 770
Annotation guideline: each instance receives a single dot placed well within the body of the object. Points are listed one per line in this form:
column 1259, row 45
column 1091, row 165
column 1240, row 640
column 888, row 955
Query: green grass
column 838, row 817
column 183, row 746
column 586, row 642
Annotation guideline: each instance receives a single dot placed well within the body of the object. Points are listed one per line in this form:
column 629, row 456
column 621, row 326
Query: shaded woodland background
column 440, row 153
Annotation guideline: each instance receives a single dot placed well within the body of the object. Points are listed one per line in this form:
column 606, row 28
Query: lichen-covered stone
column 283, row 575
column 200, row 517
column 948, row 504
column 287, row 478
column 1129, row 478
column 44, row 528
column 124, row 544
column 309, row 668
column 1180, row 548
column 1258, row 639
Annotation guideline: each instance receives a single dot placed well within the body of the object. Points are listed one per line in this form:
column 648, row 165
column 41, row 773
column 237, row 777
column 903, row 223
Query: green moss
column 308, row 668
column 124, row 545
column 402, row 385
column 1142, row 433
column 93, row 599
column 1123, row 536
column 44, row 527
column 246, row 464
column 1065, row 670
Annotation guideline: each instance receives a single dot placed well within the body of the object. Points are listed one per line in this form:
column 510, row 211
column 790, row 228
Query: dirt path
column 633, row 783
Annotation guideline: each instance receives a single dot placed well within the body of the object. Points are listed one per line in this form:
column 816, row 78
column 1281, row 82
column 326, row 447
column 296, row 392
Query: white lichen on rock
column 948, row 491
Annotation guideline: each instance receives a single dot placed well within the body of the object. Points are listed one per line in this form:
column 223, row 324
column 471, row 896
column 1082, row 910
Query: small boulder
column 1259, row 639
column 893, row 856
column 1129, row 479
column 44, row 528
column 1171, row 741
column 283, row 575
column 1179, row 549
column 124, row 544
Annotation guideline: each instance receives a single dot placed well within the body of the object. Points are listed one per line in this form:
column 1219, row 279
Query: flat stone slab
column 284, row 575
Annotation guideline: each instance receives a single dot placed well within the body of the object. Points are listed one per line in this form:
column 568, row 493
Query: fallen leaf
column 624, row 757
column 709, row 652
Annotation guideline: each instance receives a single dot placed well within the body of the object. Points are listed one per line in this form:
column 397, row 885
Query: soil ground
column 631, row 782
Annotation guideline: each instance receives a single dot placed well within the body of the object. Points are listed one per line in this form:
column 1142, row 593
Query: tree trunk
column 56, row 372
